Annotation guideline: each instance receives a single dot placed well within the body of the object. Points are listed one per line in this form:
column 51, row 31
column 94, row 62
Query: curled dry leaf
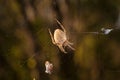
column 49, row 67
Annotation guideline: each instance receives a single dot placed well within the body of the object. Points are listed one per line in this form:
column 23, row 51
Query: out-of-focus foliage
column 25, row 43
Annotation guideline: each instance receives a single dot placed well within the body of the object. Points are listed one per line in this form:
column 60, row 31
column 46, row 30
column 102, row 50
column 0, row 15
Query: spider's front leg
column 53, row 41
column 61, row 25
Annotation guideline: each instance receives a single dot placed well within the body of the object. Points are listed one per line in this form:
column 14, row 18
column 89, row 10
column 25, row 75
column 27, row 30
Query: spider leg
column 53, row 41
column 61, row 25
column 62, row 49
column 70, row 47
column 69, row 42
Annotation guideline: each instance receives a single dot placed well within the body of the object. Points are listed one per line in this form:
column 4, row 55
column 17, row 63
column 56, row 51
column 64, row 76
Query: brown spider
column 60, row 38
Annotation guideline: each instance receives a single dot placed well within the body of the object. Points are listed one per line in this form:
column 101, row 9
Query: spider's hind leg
column 62, row 49
column 71, row 47
column 68, row 42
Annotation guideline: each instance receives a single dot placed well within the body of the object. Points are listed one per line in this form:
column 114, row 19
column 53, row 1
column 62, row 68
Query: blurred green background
column 25, row 43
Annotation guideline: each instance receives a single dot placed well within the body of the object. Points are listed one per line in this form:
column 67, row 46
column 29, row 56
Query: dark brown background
column 25, row 43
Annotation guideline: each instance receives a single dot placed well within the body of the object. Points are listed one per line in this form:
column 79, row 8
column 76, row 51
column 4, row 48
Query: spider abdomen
column 59, row 36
